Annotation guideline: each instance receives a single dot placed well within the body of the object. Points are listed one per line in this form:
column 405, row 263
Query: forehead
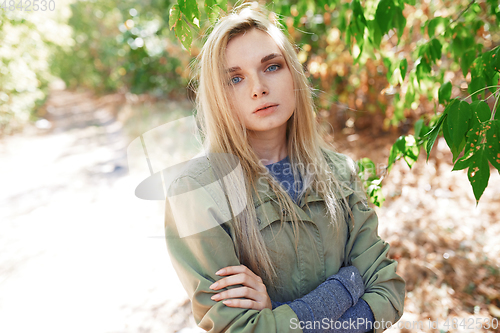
column 250, row 46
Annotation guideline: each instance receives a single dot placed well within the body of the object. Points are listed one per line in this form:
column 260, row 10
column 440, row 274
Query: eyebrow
column 263, row 60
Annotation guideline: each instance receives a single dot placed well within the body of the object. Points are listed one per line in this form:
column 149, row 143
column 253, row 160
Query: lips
column 265, row 106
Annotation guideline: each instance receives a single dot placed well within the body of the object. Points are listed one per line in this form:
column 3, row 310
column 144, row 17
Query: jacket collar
column 266, row 193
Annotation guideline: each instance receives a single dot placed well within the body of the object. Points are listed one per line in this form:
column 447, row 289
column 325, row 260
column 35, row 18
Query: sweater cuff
column 329, row 300
column 352, row 281
column 357, row 319
column 275, row 304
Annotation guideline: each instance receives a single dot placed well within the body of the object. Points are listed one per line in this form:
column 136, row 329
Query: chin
column 266, row 127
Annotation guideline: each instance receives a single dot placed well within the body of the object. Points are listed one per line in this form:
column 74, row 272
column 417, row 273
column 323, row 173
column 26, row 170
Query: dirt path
column 78, row 251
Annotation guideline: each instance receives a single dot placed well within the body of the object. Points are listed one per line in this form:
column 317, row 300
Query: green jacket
column 197, row 257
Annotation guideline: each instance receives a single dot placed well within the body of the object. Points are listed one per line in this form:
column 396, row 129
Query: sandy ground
column 80, row 253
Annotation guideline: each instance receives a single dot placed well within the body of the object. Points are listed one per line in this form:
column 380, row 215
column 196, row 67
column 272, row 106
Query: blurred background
column 79, row 81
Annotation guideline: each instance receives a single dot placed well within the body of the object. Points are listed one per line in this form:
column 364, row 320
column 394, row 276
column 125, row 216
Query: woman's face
column 259, row 78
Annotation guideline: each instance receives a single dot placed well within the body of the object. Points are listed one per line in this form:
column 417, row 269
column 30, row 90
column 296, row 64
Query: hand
column 253, row 291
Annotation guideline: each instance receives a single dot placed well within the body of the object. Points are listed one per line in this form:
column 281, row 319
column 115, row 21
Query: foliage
column 26, row 42
column 102, row 46
column 419, row 44
column 368, row 173
column 378, row 64
column 121, row 46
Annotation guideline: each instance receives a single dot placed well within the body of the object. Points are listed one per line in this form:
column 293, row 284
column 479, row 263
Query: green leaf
column 212, row 10
column 447, row 135
column 389, row 65
column 174, row 17
column 477, row 68
column 466, row 60
column 479, row 172
column 435, row 131
column 455, row 150
column 368, row 173
column 395, row 152
column 411, row 150
column 476, row 84
column 473, row 136
column 387, row 16
column 403, row 67
column 496, row 64
column 491, row 60
column 492, row 81
column 184, row 34
column 422, row 138
column 463, row 162
column 405, row 147
column 357, row 24
column 418, row 127
column 366, row 165
column 434, row 23
column 459, row 115
column 434, row 50
column 209, row 4
column 191, row 11
column 444, row 93
column 480, row 112
column 384, row 15
column 493, row 143
column 479, row 150
column 182, row 6
column 432, row 134
column 422, row 49
column 374, row 191
column 399, row 22
column 223, row 5
column 410, row 95
column 358, row 11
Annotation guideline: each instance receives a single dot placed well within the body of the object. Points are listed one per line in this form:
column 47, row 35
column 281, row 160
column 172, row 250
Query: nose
column 259, row 88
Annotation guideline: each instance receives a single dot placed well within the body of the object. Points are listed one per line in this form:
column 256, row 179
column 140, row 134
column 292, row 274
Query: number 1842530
column 28, row 5
column 471, row 323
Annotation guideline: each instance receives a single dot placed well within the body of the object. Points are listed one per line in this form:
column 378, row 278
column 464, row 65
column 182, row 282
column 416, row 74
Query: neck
column 269, row 146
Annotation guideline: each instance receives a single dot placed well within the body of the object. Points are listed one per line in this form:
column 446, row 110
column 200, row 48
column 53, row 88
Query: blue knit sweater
column 337, row 300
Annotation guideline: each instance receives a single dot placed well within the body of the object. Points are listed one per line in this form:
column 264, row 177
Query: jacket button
column 283, row 211
column 258, row 221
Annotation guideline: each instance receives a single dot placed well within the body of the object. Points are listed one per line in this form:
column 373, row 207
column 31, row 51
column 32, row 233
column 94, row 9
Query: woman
column 271, row 231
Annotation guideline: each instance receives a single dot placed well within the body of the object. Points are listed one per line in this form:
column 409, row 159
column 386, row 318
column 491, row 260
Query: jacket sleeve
column 384, row 289
column 196, row 256
column 331, row 299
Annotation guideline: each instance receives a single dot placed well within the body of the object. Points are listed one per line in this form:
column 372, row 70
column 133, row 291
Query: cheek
column 232, row 96
column 290, row 89
column 286, row 81
column 236, row 107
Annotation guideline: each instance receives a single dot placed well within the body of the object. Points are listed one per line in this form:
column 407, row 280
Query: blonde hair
column 223, row 133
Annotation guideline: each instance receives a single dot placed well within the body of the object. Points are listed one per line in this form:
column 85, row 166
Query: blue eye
column 273, row 66
column 235, row 80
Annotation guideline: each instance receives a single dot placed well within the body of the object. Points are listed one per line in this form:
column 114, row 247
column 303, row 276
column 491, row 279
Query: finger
column 241, row 278
column 242, row 303
column 240, row 292
column 229, row 270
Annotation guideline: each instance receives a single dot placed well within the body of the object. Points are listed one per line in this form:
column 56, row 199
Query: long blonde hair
column 223, row 133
